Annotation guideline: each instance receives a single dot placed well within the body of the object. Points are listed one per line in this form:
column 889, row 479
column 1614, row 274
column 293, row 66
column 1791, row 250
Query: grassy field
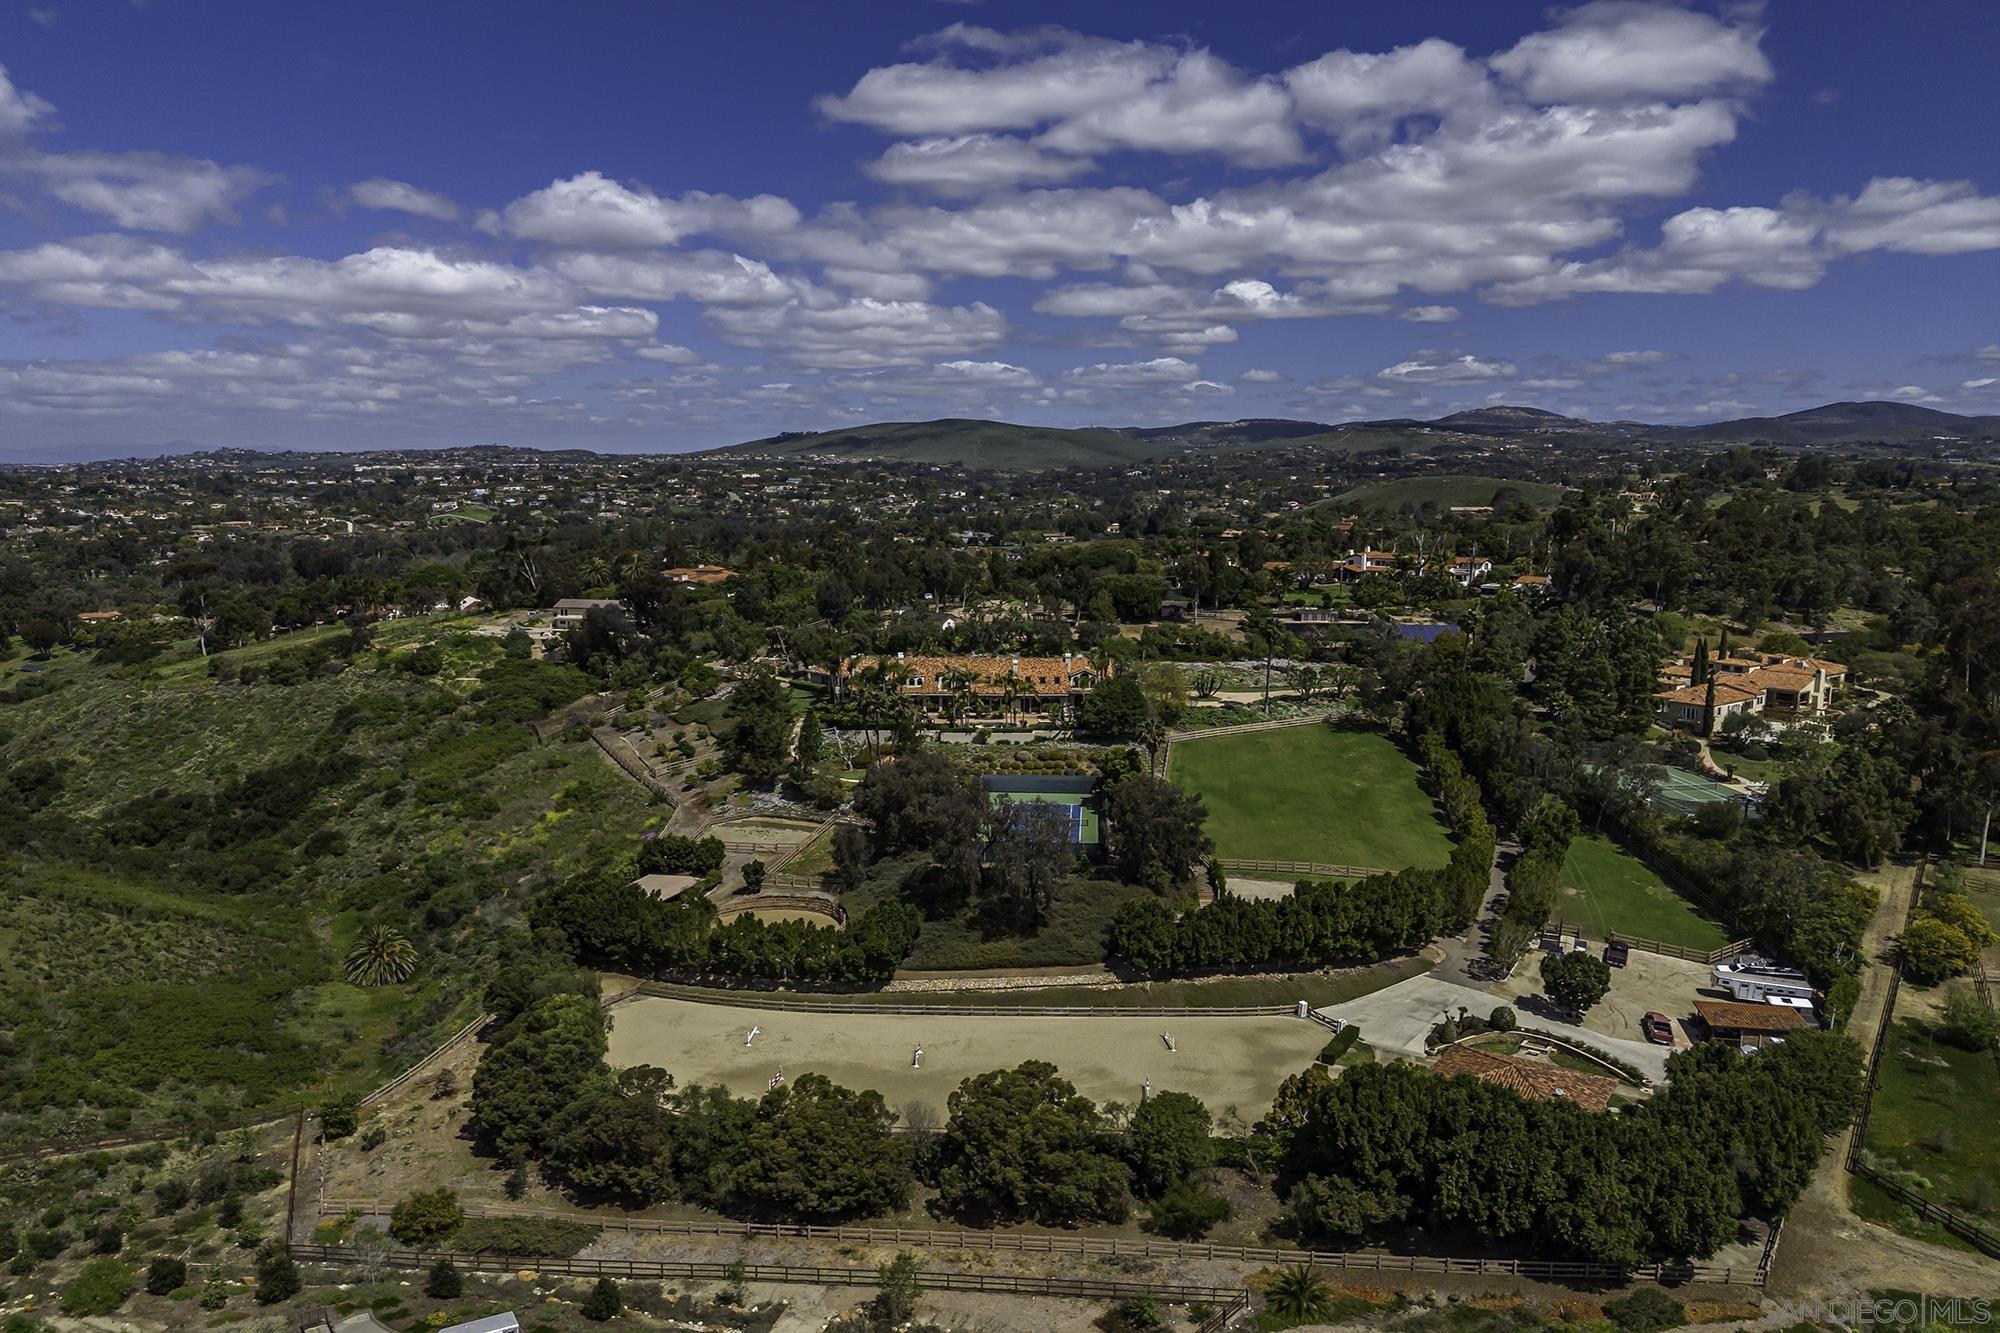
column 1604, row 890
column 1933, row 1120
column 1313, row 793
column 1223, row 1061
column 1444, row 490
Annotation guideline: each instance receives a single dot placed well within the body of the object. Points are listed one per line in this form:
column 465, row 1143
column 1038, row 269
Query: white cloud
column 1087, row 94
column 1042, row 77
column 1134, row 374
column 971, row 163
column 1441, row 368
column 1430, row 314
column 589, row 209
column 1626, row 50
column 860, row 333
column 19, row 109
column 402, row 197
column 145, row 191
column 1259, row 375
column 672, row 354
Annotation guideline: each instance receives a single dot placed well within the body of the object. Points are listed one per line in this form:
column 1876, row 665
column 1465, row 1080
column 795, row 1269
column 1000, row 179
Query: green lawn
column 1933, row 1119
column 1313, row 793
column 1445, row 490
column 1604, row 890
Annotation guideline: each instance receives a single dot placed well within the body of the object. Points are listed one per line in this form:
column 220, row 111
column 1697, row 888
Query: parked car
column 1616, row 952
column 1581, row 945
column 1659, row 1029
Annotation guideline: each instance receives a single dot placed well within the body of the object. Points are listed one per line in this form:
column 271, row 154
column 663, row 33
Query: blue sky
column 664, row 226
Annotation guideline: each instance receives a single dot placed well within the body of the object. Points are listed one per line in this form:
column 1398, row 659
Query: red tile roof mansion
column 990, row 685
column 1749, row 683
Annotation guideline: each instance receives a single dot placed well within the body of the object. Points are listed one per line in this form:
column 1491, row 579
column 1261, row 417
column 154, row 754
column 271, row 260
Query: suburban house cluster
column 1744, row 683
column 970, row 686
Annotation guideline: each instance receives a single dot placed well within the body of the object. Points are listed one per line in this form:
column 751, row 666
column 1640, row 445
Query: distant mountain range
column 1005, row 446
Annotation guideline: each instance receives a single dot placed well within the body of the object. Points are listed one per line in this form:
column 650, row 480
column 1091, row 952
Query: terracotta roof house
column 1785, row 687
column 1690, row 705
column 1536, row 1079
column 972, row 686
column 1748, row 1026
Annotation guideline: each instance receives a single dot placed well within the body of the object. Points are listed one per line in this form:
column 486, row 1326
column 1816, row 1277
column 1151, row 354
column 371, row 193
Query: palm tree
column 381, row 957
column 596, row 571
column 635, row 566
column 1298, row 1294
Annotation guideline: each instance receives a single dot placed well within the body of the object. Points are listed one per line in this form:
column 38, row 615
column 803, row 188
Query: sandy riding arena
column 1225, row 1061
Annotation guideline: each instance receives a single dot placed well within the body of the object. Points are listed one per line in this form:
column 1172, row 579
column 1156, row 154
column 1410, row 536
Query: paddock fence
column 812, row 1275
column 1250, row 865
column 450, row 1044
column 666, row 990
column 1979, row 1235
column 1049, row 1243
column 1710, row 956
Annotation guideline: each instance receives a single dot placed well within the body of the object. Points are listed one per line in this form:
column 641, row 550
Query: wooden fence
column 807, row 1005
column 1241, row 728
column 1709, row 956
column 618, row 752
column 1250, row 865
column 1025, row 1242
column 811, row 1275
column 1974, row 1232
column 449, row 1044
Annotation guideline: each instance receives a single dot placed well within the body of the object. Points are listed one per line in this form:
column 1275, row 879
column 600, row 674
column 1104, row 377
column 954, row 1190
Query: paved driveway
column 1398, row 1018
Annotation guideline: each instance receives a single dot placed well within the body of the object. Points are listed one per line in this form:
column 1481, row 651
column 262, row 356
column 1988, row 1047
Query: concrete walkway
column 1397, row 1020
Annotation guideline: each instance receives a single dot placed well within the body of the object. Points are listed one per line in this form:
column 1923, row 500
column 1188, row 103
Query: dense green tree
column 1167, row 1140
column 616, row 1140
column 1021, row 1144
column 548, row 1057
column 760, row 740
column 816, row 1150
column 1028, row 856
column 1114, row 707
column 1575, row 981
column 1155, row 835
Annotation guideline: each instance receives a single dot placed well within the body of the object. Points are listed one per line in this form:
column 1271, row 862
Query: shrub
column 426, row 1217
column 604, row 1301
column 1501, row 1019
column 339, row 1117
column 170, row 1196
column 444, row 1283
column 99, row 1288
column 1646, row 1310
column 523, row 1235
column 164, row 1275
column 277, row 1276
column 1968, row 1022
column 1187, row 1212
column 1341, row 1043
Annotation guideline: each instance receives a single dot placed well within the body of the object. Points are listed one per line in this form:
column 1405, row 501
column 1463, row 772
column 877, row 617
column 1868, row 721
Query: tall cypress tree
column 1700, row 662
